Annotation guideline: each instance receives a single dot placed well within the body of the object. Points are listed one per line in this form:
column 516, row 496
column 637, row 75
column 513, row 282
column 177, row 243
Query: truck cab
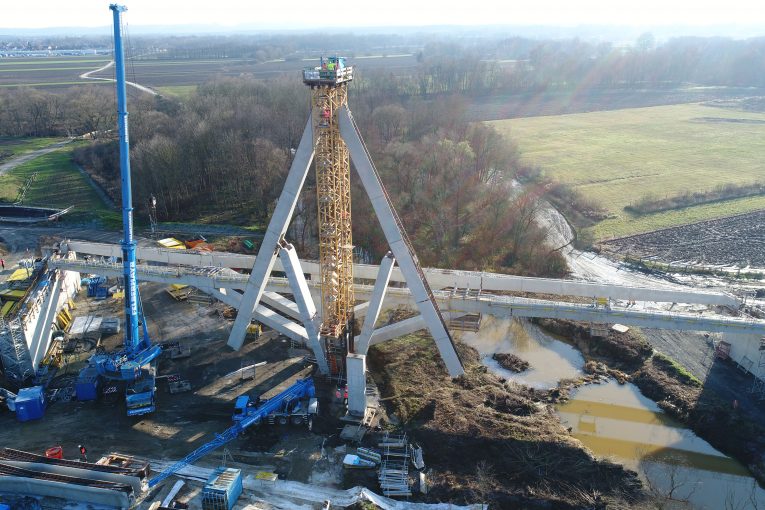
column 139, row 394
column 296, row 409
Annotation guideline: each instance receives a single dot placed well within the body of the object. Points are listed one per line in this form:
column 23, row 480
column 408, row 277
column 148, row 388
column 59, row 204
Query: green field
column 19, row 146
column 181, row 92
column 58, row 184
column 617, row 157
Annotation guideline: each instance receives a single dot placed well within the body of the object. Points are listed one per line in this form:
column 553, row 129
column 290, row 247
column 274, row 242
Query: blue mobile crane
column 135, row 364
column 297, row 404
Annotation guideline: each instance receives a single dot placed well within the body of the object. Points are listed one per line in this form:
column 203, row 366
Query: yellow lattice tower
column 333, row 190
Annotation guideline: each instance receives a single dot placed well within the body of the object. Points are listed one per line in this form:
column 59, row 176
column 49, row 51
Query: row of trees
column 32, row 112
column 521, row 65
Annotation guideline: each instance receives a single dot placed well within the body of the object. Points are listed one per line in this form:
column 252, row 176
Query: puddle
column 617, row 422
column 551, row 360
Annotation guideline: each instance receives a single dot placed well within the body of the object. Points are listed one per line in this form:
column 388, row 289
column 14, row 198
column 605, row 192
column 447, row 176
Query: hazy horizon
column 239, row 15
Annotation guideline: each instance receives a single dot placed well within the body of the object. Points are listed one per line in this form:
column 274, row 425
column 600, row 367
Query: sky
column 365, row 13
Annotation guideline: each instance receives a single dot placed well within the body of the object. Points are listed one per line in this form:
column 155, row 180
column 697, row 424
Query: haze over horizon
column 303, row 14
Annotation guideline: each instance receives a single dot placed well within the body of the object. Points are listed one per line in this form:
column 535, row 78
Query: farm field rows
column 618, row 157
column 50, row 72
column 160, row 73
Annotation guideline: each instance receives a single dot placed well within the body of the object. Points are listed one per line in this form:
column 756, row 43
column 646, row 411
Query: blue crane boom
column 301, row 389
column 135, row 363
column 128, row 243
column 137, row 351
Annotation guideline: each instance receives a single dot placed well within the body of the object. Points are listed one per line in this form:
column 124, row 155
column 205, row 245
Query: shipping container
column 222, row 490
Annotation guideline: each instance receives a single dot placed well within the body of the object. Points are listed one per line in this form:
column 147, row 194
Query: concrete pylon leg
column 277, row 227
column 375, row 304
column 356, row 369
column 304, row 302
column 398, row 242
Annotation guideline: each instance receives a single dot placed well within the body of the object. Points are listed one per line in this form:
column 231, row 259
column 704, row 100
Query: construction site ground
column 524, row 455
column 184, row 421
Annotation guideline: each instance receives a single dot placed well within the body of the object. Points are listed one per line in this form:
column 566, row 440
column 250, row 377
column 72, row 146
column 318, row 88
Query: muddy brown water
column 617, row 422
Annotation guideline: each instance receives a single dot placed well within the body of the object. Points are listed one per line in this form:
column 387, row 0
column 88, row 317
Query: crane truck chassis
column 297, row 404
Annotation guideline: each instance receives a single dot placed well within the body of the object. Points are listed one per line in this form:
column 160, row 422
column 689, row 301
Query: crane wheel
column 297, row 420
column 281, row 420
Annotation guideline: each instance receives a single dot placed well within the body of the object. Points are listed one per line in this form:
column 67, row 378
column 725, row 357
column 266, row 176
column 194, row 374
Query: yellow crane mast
column 329, row 92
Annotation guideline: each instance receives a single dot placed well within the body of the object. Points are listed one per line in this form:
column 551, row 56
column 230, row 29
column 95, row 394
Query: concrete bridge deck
column 225, row 284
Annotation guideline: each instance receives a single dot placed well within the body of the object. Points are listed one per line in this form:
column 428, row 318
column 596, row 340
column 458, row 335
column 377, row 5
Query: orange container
column 55, row 452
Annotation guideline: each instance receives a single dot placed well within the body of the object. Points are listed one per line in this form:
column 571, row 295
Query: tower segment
column 329, row 93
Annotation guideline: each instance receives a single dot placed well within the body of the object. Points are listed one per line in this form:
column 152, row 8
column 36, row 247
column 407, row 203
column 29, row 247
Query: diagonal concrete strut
column 277, row 227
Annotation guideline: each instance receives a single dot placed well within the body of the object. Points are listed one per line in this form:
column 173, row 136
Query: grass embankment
column 489, row 440
column 59, row 184
column 673, row 388
column 12, row 147
column 618, row 157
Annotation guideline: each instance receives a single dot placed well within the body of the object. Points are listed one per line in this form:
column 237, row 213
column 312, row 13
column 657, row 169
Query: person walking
column 83, row 454
column 2, row 262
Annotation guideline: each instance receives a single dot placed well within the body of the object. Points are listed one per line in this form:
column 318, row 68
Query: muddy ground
column 488, row 440
column 738, row 240
column 703, row 402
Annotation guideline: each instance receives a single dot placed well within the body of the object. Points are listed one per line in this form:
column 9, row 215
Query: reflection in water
column 551, row 360
column 618, row 422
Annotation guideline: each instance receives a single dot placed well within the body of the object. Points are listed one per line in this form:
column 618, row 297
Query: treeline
column 506, row 64
column 517, row 65
column 32, row 112
column 224, row 155
column 651, row 204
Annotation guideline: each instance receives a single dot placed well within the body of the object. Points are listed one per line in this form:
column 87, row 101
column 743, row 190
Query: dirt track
column 737, row 240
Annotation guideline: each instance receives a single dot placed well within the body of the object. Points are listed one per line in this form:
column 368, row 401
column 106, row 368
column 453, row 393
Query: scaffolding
column 333, row 189
column 394, row 469
column 14, row 352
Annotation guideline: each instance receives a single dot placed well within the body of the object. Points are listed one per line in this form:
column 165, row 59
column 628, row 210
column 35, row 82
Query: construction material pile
column 29, row 474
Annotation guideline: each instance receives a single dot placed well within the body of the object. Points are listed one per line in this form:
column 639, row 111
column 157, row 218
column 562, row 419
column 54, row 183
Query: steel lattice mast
column 333, row 189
